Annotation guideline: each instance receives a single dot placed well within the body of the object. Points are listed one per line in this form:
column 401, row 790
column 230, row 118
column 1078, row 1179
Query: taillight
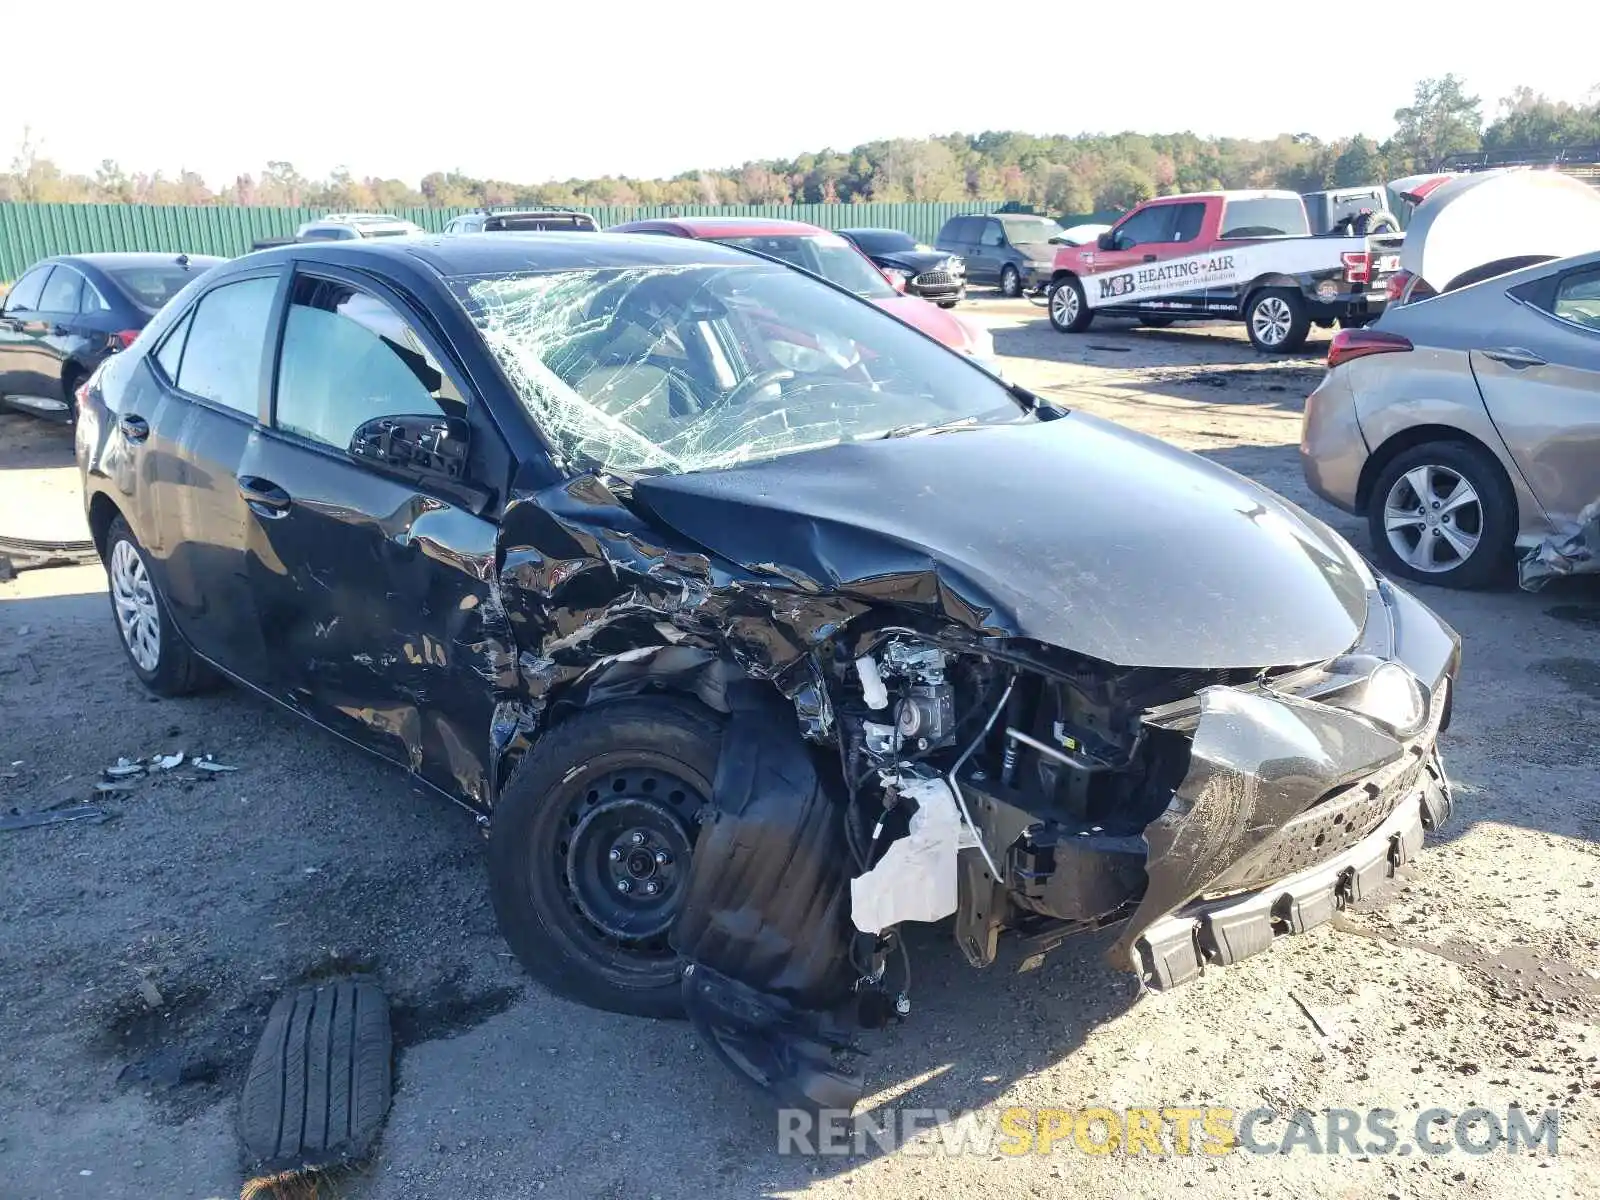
column 1404, row 287
column 1358, row 343
column 124, row 338
column 1357, row 265
column 82, row 395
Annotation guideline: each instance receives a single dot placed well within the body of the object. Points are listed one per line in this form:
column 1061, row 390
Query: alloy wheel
column 1270, row 321
column 138, row 618
column 1064, row 304
column 1433, row 518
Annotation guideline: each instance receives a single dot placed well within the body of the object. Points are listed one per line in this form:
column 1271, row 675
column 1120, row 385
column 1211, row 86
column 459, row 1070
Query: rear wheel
column 1010, row 281
column 590, row 851
column 1277, row 320
column 1444, row 513
column 1069, row 311
column 160, row 658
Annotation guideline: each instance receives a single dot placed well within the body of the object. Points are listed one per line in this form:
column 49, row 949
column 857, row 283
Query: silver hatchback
column 1466, row 425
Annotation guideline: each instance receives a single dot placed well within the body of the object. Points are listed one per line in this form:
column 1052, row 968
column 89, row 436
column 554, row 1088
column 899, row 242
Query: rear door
column 1540, row 379
column 186, row 427
column 376, row 591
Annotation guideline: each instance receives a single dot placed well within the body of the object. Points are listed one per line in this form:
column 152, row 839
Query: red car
column 814, row 249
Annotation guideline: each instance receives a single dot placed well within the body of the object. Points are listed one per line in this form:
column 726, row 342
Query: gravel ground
column 138, row 957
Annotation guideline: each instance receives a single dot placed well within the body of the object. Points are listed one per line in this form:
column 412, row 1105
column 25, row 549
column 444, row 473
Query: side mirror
column 1107, row 240
column 431, row 445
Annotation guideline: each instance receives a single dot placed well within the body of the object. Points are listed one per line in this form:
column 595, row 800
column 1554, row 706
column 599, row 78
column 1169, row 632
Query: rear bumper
column 1333, row 450
column 1364, row 306
column 1178, row 947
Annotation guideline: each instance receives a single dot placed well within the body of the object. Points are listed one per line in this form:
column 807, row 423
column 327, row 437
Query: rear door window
column 24, row 296
column 992, row 234
column 1264, row 216
column 61, row 291
column 221, row 358
column 1578, row 299
column 349, row 357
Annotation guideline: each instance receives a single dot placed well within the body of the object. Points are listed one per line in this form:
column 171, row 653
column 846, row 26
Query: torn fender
column 1573, row 549
column 1258, row 762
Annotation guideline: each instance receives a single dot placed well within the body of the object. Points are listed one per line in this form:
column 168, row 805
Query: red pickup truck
column 1224, row 256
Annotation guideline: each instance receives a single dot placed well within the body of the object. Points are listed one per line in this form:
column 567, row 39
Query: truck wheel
column 1010, row 282
column 1277, row 320
column 590, row 851
column 1381, row 221
column 1443, row 513
column 1069, row 311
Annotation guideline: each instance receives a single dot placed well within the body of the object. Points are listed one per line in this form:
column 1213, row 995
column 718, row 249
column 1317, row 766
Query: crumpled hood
column 1074, row 532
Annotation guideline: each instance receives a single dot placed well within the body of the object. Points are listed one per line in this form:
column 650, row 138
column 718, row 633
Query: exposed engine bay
column 1029, row 792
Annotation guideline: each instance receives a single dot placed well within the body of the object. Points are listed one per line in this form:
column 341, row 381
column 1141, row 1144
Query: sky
column 554, row 89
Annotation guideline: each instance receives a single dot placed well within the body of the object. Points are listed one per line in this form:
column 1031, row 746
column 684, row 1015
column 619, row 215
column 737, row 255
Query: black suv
column 720, row 597
column 535, row 220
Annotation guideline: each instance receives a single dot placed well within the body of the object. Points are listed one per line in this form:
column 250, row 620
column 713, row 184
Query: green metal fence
column 29, row 232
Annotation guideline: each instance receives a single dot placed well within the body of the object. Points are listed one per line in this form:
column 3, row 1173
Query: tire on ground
column 1491, row 560
column 1068, row 316
column 1298, row 319
column 179, row 671
column 534, row 899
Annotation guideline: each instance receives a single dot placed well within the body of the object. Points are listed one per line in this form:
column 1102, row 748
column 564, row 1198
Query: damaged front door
column 375, row 568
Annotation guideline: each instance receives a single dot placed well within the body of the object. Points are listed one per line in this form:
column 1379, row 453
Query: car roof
column 529, row 212
column 716, row 227
column 540, row 251
column 112, row 260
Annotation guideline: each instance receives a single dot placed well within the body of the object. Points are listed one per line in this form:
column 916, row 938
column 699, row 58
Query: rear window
column 1029, row 231
column 1264, row 216
column 575, row 223
column 151, row 287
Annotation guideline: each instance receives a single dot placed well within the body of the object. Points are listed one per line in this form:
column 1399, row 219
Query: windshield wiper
column 924, row 427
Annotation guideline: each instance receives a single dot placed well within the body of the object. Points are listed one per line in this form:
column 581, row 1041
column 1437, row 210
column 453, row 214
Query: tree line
column 1059, row 173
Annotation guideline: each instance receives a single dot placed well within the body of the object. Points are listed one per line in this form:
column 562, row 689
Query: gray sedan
column 1465, row 425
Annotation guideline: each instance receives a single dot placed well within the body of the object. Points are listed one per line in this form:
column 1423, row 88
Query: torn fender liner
column 915, row 880
column 1573, row 549
column 1258, row 761
column 319, row 1083
column 764, row 928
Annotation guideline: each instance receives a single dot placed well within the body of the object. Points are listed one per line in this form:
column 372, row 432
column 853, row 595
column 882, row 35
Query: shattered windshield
column 687, row 368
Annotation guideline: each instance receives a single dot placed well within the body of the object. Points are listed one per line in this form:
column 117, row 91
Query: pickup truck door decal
column 1220, row 268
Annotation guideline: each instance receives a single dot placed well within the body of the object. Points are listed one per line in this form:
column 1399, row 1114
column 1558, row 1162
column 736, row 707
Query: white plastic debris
column 165, row 762
column 872, row 689
column 124, row 769
column 208, row 765
column 916, row 878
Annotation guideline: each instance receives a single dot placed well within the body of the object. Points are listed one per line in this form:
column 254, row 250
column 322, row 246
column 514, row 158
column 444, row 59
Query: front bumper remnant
column 1178, row 947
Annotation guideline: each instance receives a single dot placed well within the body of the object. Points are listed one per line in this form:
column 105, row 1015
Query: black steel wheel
column 591, row 846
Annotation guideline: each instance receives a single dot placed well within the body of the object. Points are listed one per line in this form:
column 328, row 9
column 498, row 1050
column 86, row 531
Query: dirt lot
column 1476, row 984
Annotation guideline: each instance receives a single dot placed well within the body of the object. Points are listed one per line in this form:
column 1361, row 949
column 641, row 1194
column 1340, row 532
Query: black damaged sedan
column 728, row 604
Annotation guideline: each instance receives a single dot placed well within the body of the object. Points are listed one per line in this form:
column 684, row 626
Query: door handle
column 265, row 498
column 1514, row 356
column 134, row 429
column 1149, row 258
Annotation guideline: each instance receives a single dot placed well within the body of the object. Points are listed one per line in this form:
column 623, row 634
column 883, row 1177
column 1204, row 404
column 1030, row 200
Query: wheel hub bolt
column 636, row 838
column 662, row 858
column 651, row 888
column 624, row 885
column 615, row 855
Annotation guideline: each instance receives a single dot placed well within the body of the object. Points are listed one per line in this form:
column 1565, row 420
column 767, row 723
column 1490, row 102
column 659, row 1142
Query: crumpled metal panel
column 1258, row 761
column 1573, row 549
